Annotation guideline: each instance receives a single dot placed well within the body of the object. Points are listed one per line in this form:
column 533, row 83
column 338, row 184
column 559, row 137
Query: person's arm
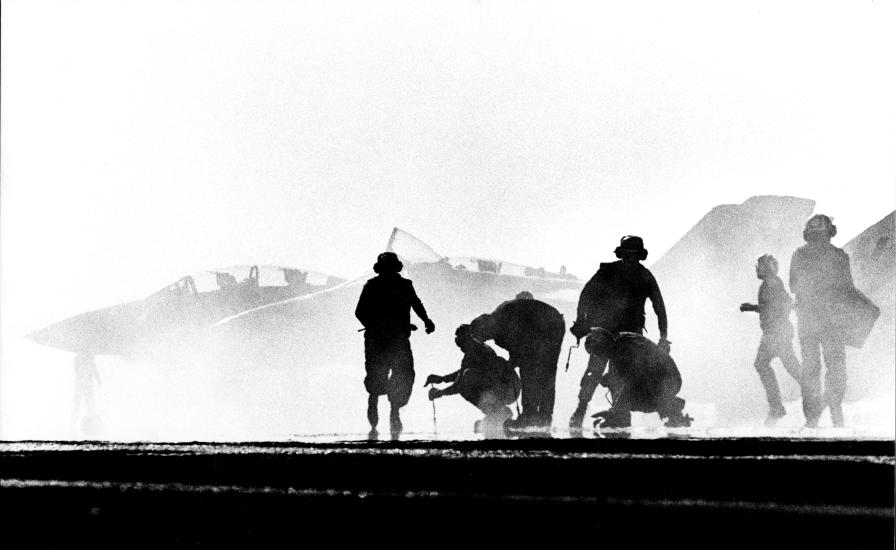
column 587, row 299
column 453, row 389
column 437, row 379
column 418, row 308
column 845, row 270
column 505, row 368
column 363, row 309
column 762, row 302
column 794, row 280
column 659, row 307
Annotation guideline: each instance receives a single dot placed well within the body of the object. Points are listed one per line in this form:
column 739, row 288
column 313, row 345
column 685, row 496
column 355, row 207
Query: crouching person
column 641, row 377
column 484, row 379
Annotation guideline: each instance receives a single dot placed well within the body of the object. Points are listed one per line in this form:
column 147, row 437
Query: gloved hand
column 432, row 379
column 579, row 330
column 748, row 307
column 664, row 344
column 434, row 393
column 430, row 326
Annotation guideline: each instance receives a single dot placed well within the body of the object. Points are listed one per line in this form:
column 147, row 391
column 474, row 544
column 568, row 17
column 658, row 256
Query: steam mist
column 709, row 272
column 294, row 368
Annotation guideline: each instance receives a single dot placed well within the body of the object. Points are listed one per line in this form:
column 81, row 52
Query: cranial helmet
column 819, row 226
column 631, row 243
column 599, row 341
column 767, row 263
column 482, row 327
column 387, row 262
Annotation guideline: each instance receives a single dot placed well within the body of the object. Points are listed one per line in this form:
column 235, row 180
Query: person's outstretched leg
column 811, row 388
column 590, row 380
column 376, row 379
column 763, row 367
column 835, row 378
column 548, row 360
column 401, row 382
column 373, row 414
column 790, row 362
column 529, row 392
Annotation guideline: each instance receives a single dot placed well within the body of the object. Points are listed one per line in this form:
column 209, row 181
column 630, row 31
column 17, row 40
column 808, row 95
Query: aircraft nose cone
column 96, row 332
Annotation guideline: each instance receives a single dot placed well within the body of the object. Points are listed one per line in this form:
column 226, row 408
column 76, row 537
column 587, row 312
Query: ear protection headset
column 819, row 223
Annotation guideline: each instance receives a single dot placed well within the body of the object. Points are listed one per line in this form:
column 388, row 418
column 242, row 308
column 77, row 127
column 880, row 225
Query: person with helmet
column 384, row 309
column 484, row 379
column 642, row 377
column 532, row 333
column 614, row 300
column 777, row 334
column 820, row 278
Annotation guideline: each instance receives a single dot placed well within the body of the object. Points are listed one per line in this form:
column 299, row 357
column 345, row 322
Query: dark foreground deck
column 677, row 492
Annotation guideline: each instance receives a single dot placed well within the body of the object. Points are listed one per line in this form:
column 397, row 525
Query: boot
column 517, row 425
column 542, row 421
column 679, row 420
column 373, row 415
column 395, row 424
column 578, row 417
column 612, row 418
column 773, row 415
column 493, row 422
column 673, row 413
column 837, row 415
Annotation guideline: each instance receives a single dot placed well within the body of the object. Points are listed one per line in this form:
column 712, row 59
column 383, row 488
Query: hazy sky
column 142, row 141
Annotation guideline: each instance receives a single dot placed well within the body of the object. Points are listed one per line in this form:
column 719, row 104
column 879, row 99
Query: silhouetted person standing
column 777, row 334
column 484, row 379
column 384, row 309
column 87, row 379
column 532, row 333
column 820, row 277
column 614, row 300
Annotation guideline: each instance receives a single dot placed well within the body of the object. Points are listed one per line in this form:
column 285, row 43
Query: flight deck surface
column 822, row 490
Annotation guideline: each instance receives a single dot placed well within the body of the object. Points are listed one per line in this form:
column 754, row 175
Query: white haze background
column 142, row 141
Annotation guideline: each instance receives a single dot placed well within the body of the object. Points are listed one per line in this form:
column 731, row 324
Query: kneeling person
column 484, row 379
column 641, row 377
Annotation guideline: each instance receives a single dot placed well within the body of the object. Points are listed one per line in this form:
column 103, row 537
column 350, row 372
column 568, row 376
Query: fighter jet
column 180, row 310
column 280, row 317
